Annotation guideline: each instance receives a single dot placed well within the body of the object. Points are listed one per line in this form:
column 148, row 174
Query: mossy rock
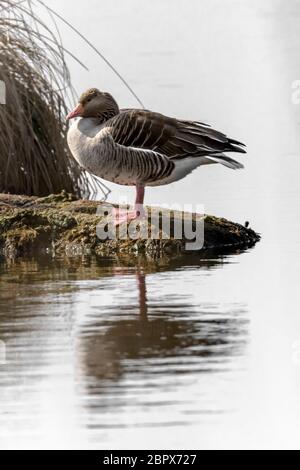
column 62, row 224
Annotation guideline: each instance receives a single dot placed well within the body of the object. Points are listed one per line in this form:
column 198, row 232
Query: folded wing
column 172, row 137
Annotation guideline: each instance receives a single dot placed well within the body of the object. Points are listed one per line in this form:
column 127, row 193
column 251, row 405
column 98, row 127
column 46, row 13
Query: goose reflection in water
column 153, row 338
column 120, row 331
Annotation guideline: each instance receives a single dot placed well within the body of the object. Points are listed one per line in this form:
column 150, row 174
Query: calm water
column 179, row 353
column 102, row 351
column 110, row 353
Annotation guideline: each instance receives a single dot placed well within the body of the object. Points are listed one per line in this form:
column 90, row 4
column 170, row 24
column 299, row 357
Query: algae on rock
column 62, row 224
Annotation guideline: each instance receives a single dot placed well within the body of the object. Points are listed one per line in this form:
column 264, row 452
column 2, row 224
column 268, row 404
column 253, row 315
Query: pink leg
column 124, row 215
column 139, row 201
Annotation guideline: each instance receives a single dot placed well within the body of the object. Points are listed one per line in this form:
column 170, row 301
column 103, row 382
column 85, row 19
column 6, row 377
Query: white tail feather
column 226, row 161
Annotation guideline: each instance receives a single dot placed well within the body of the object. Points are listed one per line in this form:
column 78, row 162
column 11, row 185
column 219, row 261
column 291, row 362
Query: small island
column 63, row 224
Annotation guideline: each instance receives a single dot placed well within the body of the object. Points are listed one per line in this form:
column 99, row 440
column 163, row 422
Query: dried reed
column 34, row 157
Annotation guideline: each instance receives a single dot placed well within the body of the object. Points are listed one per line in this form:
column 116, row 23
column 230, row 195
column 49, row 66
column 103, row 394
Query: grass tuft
column 34, row 156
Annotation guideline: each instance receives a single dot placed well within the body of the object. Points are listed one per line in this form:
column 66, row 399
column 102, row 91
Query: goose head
column 94, row 103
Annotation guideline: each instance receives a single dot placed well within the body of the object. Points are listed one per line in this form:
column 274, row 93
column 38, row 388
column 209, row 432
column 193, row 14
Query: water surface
column 97, row 346
column 196, row 352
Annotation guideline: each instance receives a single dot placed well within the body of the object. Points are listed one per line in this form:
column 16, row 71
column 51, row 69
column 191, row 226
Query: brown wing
column 169, row 136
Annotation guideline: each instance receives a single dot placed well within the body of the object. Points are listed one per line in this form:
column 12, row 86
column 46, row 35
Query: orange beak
column 78, row 111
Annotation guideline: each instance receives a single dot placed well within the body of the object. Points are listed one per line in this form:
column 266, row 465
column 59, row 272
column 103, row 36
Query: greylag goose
column 142, row 148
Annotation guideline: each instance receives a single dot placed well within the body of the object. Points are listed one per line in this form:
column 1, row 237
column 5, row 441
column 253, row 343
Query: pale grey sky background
column 230, row 64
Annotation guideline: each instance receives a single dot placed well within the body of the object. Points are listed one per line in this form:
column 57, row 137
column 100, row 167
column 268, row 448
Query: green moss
column 21, row 236
column 63, row 224
column 57, row 198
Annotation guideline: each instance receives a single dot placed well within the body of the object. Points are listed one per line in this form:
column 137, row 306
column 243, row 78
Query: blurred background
column 228, row 63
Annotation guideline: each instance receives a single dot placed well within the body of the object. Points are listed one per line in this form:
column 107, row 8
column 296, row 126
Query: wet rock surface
column 60, row 223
